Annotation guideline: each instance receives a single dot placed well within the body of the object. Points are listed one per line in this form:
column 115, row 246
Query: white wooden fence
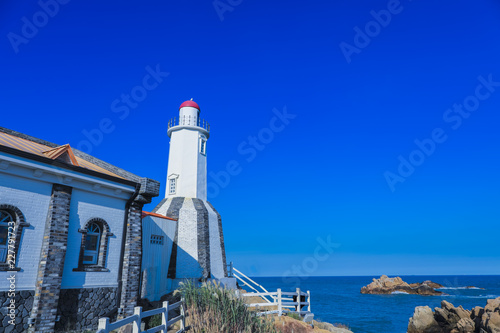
column 105, row 326
column 284, row 301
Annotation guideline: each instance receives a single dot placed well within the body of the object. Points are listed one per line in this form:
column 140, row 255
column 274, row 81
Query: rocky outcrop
column 450, row 319
column 423, row 321
column 429, row 283
column 387, row 285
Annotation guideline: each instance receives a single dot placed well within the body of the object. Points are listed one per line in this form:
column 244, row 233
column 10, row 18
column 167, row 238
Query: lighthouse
column 187, row 160
column 197, row 250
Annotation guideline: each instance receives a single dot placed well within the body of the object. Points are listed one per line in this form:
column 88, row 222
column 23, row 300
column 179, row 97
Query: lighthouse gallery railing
column 189, row 121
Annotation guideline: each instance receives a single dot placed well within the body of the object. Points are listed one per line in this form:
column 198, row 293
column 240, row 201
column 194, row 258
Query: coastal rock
column 451, row 319
column 423, row 321
column 330, row 327
column 448, row 316
column 387, row 285
column 465, row 325
column 429, row 283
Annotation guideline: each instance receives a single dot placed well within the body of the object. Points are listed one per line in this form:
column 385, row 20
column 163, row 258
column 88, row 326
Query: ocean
column 338, row 299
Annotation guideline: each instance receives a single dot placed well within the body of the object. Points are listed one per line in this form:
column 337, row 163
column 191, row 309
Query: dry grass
column 213, row 309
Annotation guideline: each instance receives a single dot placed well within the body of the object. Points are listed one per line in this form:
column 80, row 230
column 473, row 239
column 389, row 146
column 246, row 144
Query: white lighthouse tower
column 187, row 161
column 197, row 251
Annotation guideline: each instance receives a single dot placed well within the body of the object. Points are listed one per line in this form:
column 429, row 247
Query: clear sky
column 314, row 106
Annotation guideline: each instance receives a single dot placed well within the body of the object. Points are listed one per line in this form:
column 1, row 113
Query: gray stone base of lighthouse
column 198, row 250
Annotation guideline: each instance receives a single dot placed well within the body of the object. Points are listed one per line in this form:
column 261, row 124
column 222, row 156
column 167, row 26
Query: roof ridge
column 149, row 187
column 89, row 158
column 55, row 153
column 28, row 137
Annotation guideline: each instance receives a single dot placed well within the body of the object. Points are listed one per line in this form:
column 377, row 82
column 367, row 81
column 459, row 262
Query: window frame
column 172, row 185
column 7, row 223
column 175, row 179
column 16, row 226
column 92, row 253
column 102, row 250
column 203, row 145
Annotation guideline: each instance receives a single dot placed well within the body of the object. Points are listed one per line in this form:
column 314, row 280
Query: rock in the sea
column 387, row 285
column 423, row 321
column 451, row 319
column 429, row 283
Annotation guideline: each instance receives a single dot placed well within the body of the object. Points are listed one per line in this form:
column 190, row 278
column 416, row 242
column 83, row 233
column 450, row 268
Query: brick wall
column 51, row 261
column 130, row 292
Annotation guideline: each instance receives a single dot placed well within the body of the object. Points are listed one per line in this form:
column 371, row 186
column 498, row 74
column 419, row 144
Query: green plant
column 153, row 321
column 213, row 309
column 295, row 316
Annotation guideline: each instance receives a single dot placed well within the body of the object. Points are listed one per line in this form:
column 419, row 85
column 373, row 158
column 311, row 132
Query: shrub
column 295, row 316
column 153, row 321
column 213, row 309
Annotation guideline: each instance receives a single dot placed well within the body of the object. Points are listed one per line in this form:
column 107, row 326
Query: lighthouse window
column 203, row 146
column 172, row 186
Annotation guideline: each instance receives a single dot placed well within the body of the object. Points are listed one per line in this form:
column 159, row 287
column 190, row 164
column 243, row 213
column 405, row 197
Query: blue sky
column 318, row 104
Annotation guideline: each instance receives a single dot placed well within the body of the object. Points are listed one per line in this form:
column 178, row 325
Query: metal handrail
column 189, row 121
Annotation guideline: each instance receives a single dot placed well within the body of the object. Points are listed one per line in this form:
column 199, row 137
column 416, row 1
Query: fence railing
column 189, row 121
column 284, row 301
column 246, row 281
column 105, row 326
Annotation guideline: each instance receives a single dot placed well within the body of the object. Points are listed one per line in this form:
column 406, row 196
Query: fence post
column 183, row 314
column 103, row 324
column 298, row 306
column 164, row 316
column 136, row 328
column 309, row 301
column 280, row 309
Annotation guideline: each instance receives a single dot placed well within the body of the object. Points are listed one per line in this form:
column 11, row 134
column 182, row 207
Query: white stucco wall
column 32, row 198
column 27, row 185
column 216, row 262
column 85, row 206
column 187, row 240
column 188, row 164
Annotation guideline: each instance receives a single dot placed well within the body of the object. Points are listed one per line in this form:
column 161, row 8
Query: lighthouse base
column 198, row 246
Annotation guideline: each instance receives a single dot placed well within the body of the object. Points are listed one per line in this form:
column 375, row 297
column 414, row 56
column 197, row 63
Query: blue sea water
column 338, row 299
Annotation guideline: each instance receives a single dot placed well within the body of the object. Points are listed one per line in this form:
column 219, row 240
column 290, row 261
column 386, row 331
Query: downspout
column 124, row 241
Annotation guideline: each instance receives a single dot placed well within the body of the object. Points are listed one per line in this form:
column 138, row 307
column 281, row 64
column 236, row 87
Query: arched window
column 94, row 247
column 6, row 221
column 11, row 229
column 91, row 251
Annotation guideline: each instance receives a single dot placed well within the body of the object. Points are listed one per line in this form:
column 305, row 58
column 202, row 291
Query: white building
column 76, row 243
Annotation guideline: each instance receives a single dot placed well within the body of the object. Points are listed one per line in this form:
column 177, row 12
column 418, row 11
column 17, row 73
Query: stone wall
column 50, row 267
column 132, row 260
column 24, row 303
column 80, row 309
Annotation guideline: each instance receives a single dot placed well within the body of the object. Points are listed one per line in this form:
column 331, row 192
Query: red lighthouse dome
column 191, row 104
